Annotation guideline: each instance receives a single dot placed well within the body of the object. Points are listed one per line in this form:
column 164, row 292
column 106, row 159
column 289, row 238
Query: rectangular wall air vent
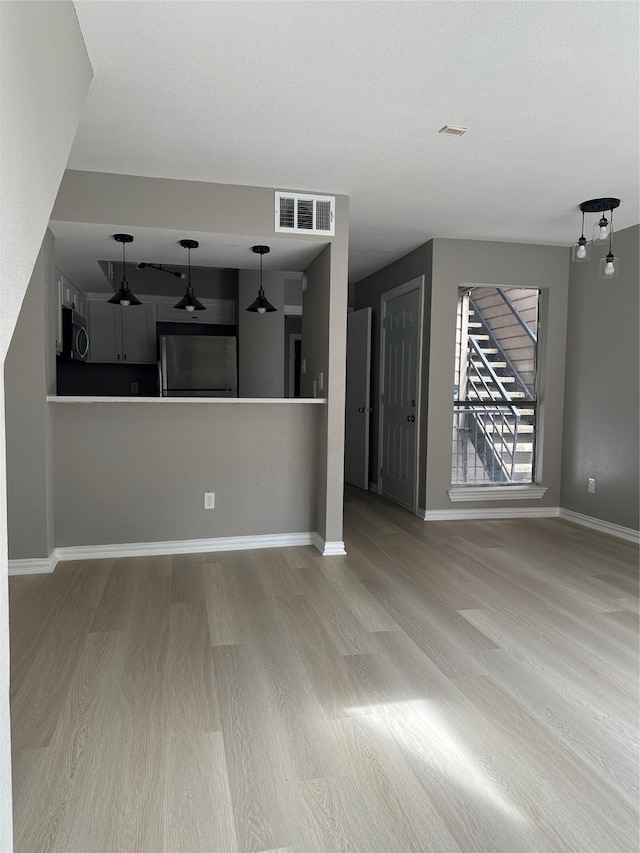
column 305, row 214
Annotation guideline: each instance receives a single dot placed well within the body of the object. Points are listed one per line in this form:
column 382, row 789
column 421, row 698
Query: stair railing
column 532, row 335
column 486, row 329
column 497, row 417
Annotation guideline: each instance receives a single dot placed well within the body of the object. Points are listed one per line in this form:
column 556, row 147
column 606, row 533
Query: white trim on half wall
column 329, row 548
column 180, row 546
column 33, row 567
column 185, row 546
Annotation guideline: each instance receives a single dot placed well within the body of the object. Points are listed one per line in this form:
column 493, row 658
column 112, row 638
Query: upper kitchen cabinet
column 120, row 334
column 67, row 296
column 70, row 296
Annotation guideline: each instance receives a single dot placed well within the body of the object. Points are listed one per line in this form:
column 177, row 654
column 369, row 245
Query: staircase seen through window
column 494, row 410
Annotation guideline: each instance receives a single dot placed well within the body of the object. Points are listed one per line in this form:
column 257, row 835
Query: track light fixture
column 124, row 296
column 189, row 301
column 160, row 268
column 260, row 305
column 602, row 231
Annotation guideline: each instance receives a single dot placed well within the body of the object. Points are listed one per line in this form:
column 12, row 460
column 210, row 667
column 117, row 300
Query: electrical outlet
column 209, row 500
column 303, row 366
column 591, row 485
column 134, row 387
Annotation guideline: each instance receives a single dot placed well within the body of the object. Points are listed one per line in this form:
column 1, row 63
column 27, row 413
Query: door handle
column 411, row 418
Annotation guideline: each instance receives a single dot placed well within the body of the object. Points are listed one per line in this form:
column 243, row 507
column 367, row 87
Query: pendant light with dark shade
column 260, row 305
column 124, row 296
column 189, row 301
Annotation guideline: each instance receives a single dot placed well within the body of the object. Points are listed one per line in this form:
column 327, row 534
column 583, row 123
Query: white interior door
column 399, row 396
column 356, row 442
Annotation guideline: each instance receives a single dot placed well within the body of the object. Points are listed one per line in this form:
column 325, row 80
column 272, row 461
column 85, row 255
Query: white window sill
column 526, row 492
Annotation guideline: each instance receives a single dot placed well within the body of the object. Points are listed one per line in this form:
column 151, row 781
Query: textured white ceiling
column 348, row 97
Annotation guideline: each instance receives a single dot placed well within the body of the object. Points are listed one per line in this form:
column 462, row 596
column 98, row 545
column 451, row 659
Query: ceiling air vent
column 305, row 214
column 454, row 129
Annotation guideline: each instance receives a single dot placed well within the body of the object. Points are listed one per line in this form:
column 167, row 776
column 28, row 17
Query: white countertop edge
column 164, row 400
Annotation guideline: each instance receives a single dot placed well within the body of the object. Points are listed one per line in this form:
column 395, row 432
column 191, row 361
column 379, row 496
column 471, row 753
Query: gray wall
column 315, row 325
column 368, row 293
column 29, row 436
column 220, row 208
column 260, row 336
column 44, row 77
column 259, row 459
column 446, row 264
column 601, row 424
column 324, row 346
column 315, row 355
column 457, row 262
column 293, row 289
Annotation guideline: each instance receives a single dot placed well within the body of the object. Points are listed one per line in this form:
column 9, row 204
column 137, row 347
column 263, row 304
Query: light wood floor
column 452, row 686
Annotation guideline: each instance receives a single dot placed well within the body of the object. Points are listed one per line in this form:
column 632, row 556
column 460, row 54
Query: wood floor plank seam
column 445, row 687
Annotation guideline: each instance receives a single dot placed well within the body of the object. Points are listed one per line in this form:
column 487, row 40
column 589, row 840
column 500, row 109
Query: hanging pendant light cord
column 582, row 233
column 124, row 273
column 610, row 230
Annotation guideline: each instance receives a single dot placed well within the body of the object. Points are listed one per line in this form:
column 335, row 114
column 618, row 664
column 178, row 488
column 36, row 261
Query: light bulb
column 609, row 268
column 190, row 307
column 581, row 252
column 262, row 310
column 125, row 302
column 601, row 230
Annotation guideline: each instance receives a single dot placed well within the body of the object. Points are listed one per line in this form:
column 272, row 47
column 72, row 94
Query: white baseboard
column 185, row 546
column 334, row 549
column 601, row 526
column 486, row 512
column 329, row 548
column 180, row 546
column 34, row 567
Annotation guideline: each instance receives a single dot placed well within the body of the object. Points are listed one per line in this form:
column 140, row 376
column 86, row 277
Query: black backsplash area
column 81, row 379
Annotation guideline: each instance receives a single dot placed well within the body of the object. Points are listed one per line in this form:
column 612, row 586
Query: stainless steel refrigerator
column 198, row 366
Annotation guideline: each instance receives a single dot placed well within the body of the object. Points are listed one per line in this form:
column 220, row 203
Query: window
column 494, row 410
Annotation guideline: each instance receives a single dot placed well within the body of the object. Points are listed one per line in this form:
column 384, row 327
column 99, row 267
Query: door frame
column 293, row 337
column 414, row 284
column 367, row 402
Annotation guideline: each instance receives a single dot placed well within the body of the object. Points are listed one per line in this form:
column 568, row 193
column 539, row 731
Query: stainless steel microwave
column 75, row 336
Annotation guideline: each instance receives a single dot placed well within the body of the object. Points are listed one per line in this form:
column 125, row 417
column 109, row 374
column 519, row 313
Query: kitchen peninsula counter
column 134, row 469
column 164, row 400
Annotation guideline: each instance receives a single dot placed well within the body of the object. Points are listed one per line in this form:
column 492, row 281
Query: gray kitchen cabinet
column 119, row 334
